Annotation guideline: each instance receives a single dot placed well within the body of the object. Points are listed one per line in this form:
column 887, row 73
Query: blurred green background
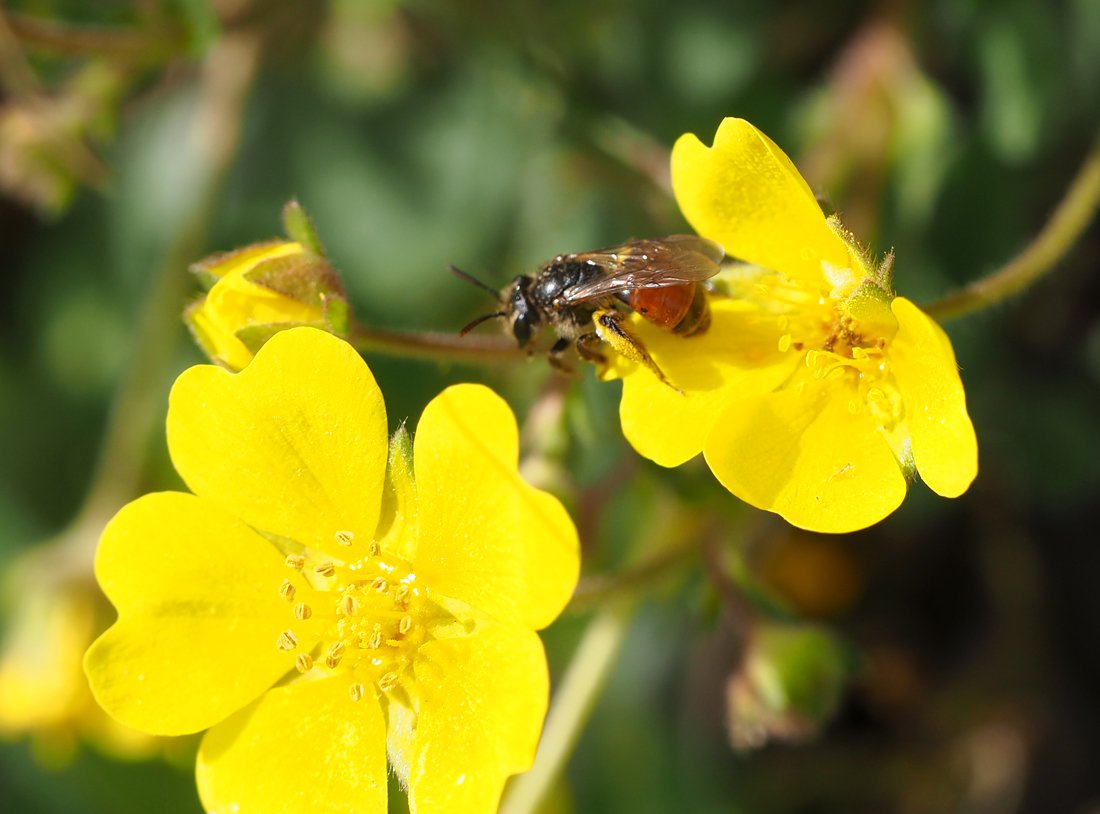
column 493, row 135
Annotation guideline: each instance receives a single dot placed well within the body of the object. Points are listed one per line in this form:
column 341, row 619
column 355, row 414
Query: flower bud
column 788, row 685
column 260, row 290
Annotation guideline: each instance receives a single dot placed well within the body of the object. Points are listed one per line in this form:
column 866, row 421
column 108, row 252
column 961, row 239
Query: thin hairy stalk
column 1041, row 256
column 435, row 346
column 580, row 687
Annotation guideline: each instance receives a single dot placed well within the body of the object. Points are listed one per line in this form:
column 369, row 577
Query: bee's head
column 521, row 313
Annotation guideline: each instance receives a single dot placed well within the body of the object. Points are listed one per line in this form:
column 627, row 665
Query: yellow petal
column 197, row 594
column 738, row 355
column 808, row 457
column 236, row 302
column 294, row 445
column 944, row 446
column 241, row 260
column 482, row 702
column 218, row 342
column 486, row 537
column 305, row 747
column 746, row 194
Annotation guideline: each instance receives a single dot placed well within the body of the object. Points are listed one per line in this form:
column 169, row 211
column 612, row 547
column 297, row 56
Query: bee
column 585, row 298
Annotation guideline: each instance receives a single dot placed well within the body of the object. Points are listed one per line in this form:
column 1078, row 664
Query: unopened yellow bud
column 259, row 290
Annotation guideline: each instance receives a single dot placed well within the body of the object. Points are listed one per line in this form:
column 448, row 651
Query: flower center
column 363, row 619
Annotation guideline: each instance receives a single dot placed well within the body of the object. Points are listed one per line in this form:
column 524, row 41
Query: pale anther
column 404, row 625
column 372, row 549
column 334, row 654
column 304, row 663
column 325, row 569
column 401, row 595
column 375, row 640
column 379, row 585
column 345, row 537
column 356, row 692
column 287, row 640
column 348, row 605
column 387, row 682
column 295, row 561
column 302, row 611
column 286, row 590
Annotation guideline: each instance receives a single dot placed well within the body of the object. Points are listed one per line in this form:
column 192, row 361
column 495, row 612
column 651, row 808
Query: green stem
column 585, row 677
column 1060, row 232
column 436, row 346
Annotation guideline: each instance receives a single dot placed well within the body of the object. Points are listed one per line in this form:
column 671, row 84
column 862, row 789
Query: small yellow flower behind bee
column 816, row 393
column 319, row 601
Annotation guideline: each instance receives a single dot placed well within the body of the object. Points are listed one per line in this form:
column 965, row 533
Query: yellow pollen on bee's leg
column 302, row 611
column 287, row 641
column 356, row 691
column 304, row 662
column 286, row 590
column 325, row 569
column 345, row 538
column 295, row 561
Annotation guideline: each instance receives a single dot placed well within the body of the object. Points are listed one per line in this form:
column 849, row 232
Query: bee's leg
column 612, row 328
column 588, row 348
column 554, row 357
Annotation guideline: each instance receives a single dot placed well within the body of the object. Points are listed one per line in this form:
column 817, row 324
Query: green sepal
column 336, row 314
column 299, row 227
column 400, row 464
column 303, row 278
column 869, row 306
column 256, row 335
column 397, row 523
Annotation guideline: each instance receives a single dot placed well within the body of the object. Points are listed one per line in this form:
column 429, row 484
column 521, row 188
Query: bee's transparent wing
column 650, row 263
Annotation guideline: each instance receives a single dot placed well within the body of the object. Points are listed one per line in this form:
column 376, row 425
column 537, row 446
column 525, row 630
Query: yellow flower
column 816, row 392
column 314, row 604
column 260, row 290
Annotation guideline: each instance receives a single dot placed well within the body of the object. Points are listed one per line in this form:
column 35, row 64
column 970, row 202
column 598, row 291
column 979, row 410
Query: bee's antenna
column 480, row 320
column 455, row 270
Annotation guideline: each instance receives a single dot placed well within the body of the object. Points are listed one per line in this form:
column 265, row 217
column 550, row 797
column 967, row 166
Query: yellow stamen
column 345, row 538
column 286, row 590
column 304, row 662
column 388, row 681
column 287, row 640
